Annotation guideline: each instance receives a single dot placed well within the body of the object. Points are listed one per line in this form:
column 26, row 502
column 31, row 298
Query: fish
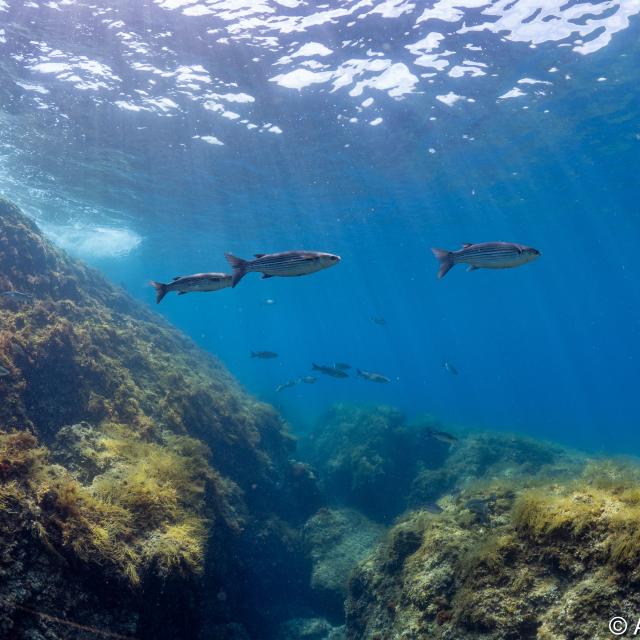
column 379, row 320
column 264, row 355
column 447, row 366
column 442, row 436
column 308, row 379
column 480, row 508
column 432, row 507
column 285, row 385
column 17, row 295
column 4, row 372
column 372, row 377
column 486, row 255
column 189, row 284
column 285, row 264
column 342, row 365
column 268, row 302
column 329, row 371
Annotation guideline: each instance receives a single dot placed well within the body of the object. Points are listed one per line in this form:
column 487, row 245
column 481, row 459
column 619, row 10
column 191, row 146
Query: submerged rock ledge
column 130, row 457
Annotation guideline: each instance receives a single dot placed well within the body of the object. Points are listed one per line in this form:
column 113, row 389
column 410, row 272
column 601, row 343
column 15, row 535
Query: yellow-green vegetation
column 602, row 506
column 145, row 510
column 548, row 559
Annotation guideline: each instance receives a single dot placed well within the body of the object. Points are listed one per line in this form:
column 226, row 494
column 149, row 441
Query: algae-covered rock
column 551, row 560
column 337, row 540
column 368, row 457
column 491, row 457
column 133, row 458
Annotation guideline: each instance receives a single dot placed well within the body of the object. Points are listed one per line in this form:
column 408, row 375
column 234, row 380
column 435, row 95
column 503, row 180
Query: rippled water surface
column 151, row 137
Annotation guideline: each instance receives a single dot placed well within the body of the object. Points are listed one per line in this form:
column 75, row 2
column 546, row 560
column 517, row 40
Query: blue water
column 149, row 138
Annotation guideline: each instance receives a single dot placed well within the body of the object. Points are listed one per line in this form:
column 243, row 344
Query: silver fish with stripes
column 285, row 264
column 195, row 282
column 485, row 255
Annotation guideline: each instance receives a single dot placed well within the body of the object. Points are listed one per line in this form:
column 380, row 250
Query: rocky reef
column 144, row 494
column 131, row 463
column 517, row 559
column 368, row 457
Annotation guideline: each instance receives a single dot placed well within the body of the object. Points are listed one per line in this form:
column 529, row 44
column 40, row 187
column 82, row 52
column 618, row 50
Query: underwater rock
column 310, row 629
column 135, row 459
column 553, row 560
column 337, row 540
column 367, row 458
column 491, row 456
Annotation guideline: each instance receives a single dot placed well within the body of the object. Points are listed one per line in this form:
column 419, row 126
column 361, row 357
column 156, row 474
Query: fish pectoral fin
column 266, row 275
column 472, row 268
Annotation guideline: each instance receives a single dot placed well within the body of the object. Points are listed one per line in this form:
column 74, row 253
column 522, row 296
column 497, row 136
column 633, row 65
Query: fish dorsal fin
column 177, row 278
column 466, row 245
column 259, row 255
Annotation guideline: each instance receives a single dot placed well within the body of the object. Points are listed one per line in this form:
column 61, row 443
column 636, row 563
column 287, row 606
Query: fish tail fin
column 161, row 290
column 315, row 367
column 254, row 354
column 446, row 261
column 359, row 372
column 239, row 267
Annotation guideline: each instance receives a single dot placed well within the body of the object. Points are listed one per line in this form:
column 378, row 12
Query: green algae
column 132, row 457
column 139, row 513
column 557, row 556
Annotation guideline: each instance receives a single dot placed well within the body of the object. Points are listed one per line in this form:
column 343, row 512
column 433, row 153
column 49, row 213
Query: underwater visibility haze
column 162, row 139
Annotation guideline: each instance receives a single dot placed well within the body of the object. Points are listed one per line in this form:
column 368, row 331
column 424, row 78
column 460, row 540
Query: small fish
column 342, row 365
column 285, row 264
column 268, row 302
column 447, row 366
column 329, row 371
column 4, row 372
column 432, row 507
column 372, row 377
column 17, row 295
column 480, row 508
column 308, row 379
column 195, row 282
column 264, row 355
column 486, row 255
column 442, row 436
column 285, row 385
column 379, row 320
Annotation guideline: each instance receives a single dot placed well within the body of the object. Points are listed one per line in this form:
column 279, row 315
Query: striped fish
column 486, row 255
column 285, row 264
column 196, row 282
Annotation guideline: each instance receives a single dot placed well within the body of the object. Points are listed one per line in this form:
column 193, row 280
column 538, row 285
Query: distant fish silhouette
column 285, row 385
column 442, row 436
column 333, row 372
column 372, row 377
column 447, row 366
column 17, row 295
column 264, row 355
